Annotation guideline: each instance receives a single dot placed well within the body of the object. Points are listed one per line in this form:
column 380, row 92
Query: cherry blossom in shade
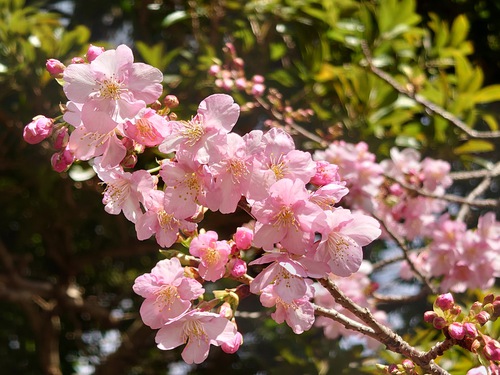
column 298, row 313
column 112, row 88
column 231, row 173
column 124, row 190
column 286, row 216
column 148, row 128
column 213, row 255
column 165, row 226
column 215, row 117
column 186, row 184
column 276, row 160
column 167, row 292
column 287, row 274
column 342, row 237
column 198, row 330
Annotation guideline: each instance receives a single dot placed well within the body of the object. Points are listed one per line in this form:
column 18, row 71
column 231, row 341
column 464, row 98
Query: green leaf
column 488, row 94
column 474, row 146
column 459, row 30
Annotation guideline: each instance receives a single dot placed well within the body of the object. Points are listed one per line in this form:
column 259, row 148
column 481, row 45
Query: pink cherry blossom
column 342, row 239
column 148, row 128
column 167, row 292
column 164, row 225
column 124, row 190
column 198, row 330
column 216, row 116
column 111, row 89
column 286, row 216
column 298, row 313
column 213, row 255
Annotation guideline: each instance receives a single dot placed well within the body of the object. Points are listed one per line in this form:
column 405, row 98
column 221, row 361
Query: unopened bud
column 488, row 299
column 93, row 52
column 483, row 317
column 55, row 68
column 238, row 267
column 439, row 323
column 171, row 101
column 78, row 60
column 429, row 316
column 476, row 307
column 61, row 138
column 38, row 129
column 62, row 160
column 445, row 301
column 470, row 329
column 243, row 238
column 456, row 330
column 129, row 161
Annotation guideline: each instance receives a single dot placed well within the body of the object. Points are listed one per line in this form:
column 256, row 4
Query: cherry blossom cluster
column 467, row 330
column 113, row 115
column 460, row 258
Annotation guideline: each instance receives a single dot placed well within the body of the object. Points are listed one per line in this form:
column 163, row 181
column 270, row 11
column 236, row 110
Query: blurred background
column 67, row 267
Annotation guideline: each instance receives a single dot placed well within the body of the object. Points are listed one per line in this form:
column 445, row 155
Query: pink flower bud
column 456, row 310
column 483, row 317
column 476, row 307
column 238, row 267
column 226, row 311
column 38, row 129
column 93, row 52
column 243, row 238
column 129, row 161
column 445, row 301
column 470, row 329
column 214, row 70
column 439, row 322
column 78, row 60
column 171, row 101
column 488, row 299
column 258, row 89
column 55, row 68
column 61, row 138
column 429, row 316
column 491, row 349
column 456, row 330
column 407, row 364
column 62, row 160
column 233, row 345
column 258, row 79
column 238, row 63
column 241, row 83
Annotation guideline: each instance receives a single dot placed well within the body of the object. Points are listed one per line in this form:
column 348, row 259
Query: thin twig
column 432, row 107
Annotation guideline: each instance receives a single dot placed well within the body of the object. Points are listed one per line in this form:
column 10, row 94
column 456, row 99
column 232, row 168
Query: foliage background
column 66, row 267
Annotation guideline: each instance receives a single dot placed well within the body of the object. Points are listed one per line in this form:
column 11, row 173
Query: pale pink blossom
column 213, row 255
column 164, row 225
column 298, row 313
column 198, row 330
column 286, row 216
column 38, row 129
column 216, row 116
column 167, row 292
column 342, row 237
column 111, row 89
column 148, row 128
column 124, row 190
column 186, row 184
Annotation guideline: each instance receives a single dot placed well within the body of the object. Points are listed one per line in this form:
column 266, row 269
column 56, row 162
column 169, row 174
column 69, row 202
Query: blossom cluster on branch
column 302, row 238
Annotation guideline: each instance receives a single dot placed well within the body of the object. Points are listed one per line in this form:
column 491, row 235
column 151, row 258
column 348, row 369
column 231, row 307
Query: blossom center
column 192, row 132
column 277, row 166
column 166, row 297
column 110, row 89
column 285, row 218
column 145, row 129
column 116, row 192
column 238, row 169
column 193, row 329
column 211, row 256
column 166, row 220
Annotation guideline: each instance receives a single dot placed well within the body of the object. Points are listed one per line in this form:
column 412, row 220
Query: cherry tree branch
column 385, row 335
column 478, row 190
column 430, row 106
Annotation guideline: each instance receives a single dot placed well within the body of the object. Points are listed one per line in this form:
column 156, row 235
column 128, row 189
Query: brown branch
column 430, row 106
column 478, row 190
column 406, row 256
column 385, row 335
column 344, row 320
column 469, row 200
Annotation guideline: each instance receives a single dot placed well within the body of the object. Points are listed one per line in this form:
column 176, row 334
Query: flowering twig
column 430, row 106
column 478, row 190
column 386, row 336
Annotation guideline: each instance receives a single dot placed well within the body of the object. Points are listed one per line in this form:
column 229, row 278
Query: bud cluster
column 406, row 367
column 467, row 329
